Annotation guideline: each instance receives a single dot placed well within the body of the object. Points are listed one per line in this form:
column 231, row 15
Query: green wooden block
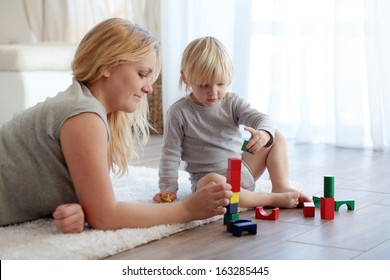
column 329, row 186
column 316, row 201
column 230, row 217
column 350, row 204
column 243, row 147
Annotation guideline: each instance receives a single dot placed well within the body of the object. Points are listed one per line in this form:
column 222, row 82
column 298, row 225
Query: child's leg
column 212, row 178
column 275, row 159
column 250, row 199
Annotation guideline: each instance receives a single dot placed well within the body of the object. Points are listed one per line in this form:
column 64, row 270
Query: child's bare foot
column 303, row 198
column 287, row 189
column 284, row 200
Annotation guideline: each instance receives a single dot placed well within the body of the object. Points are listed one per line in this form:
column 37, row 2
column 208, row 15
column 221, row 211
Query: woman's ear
column 106, row 74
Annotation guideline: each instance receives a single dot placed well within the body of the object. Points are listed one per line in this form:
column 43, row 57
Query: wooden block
column 327, row 208
column 350, row 204
column 235, row 198
column 309, row 209
column 232, row 208
column 316, row 201
column 229, row 223
column 238, row 227
column 328, row 186
column 234, row 164
column 233, row 175
column 166, row 198
column 236, row 186
column 262, row 214
column 244, row 149
column 230, row 217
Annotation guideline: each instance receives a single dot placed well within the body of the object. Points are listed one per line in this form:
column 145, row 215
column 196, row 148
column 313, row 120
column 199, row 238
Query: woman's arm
column 84, row 144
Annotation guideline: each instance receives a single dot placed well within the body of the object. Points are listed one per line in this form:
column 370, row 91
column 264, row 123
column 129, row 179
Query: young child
column 202, row 129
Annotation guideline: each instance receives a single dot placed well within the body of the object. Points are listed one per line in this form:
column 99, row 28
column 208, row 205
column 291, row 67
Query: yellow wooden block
column 166, row 198
column 235, row 198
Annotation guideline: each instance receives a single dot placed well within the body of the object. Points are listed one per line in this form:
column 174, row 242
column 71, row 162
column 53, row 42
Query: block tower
column 231, row 219
column 233, row 177
column 327, row 202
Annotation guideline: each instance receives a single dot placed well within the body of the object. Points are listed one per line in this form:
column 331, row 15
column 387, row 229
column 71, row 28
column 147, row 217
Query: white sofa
column 29, row 71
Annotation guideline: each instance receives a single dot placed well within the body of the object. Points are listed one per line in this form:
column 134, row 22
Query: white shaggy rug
column 41, row 240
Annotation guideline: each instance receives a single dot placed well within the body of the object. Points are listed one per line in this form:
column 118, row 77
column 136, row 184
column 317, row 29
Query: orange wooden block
column 262, row 214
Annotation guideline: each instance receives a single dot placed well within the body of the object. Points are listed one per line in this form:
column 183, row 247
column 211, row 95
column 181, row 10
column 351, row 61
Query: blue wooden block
column 238, row 226
column 232, row 208
column 231, row 222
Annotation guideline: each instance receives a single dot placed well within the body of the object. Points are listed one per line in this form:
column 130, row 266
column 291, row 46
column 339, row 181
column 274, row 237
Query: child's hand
column 258, row 140
column 164, row 196
column 69, row 218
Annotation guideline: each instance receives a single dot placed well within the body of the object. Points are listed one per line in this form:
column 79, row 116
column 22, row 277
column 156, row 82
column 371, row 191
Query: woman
column 61, row 151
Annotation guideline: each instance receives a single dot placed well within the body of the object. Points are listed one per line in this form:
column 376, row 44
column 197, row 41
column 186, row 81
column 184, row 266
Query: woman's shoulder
column 76, row 99
column 73, row 101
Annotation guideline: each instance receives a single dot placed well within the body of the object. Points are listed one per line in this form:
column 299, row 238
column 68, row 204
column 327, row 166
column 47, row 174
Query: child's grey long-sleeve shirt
column 205, row 137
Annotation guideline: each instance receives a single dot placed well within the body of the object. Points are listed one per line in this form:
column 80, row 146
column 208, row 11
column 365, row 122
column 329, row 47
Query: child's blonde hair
column 108, row 44
column 205, row 60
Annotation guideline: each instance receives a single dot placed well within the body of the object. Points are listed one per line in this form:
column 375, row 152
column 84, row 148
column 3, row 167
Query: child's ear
column 183, row 77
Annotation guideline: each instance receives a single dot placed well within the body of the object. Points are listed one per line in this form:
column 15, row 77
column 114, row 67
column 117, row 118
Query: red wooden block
column 309, row 209
column 262, row 214
column 234, row 164
column 327, row 208
column 235, row 185
column 233, row 175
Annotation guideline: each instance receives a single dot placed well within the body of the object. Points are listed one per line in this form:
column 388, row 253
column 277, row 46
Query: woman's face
column 126, row 85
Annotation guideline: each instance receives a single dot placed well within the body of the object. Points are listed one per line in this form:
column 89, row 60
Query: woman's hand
column 69, row 218
column 208, row 201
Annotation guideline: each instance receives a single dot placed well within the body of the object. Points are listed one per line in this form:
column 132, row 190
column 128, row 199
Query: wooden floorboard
column 361, row 175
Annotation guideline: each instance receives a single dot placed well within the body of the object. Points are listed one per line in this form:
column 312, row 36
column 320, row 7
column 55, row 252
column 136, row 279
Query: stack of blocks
column 327, row 203
column 231, row 217
column 233, row 177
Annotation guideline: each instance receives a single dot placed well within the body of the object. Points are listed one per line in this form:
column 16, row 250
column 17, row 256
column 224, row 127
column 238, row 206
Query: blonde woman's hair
column 205, row 60
column 108, row 44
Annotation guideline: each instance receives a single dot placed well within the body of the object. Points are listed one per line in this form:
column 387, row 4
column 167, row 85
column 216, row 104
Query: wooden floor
column 361, row 175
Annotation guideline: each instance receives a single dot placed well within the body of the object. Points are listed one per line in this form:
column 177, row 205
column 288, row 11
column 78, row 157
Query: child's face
column 209, row 94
